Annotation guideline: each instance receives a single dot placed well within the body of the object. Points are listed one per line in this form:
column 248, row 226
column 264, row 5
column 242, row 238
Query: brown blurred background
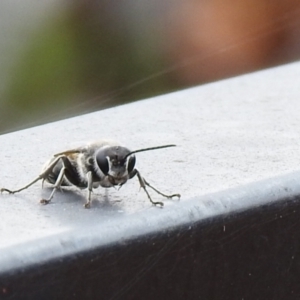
column 63, row 58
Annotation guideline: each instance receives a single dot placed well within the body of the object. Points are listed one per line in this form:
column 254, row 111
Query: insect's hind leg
column 43, row 176
column 56, row 186
column 22, row 188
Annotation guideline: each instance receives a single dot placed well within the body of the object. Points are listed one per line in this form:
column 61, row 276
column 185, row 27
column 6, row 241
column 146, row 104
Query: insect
column 104, row 163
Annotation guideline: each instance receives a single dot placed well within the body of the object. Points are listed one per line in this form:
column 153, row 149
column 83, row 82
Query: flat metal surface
column 233, row 235
column 228, row 133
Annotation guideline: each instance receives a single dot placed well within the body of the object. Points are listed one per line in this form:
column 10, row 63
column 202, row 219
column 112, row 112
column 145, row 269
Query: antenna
column 148, row 149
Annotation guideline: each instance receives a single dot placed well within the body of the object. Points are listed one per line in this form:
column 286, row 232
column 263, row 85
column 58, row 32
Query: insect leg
column 143, row 185
column 56, row 186
column 43, row 175
column 90, row 189
column 158, row 192
column 22, row 188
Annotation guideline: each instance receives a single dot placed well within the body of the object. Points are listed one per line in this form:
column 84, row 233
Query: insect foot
column 45, row 201
column 161, row 204
column 174, row 195
column 6, row 190
column 158, row 203
column 87, row 205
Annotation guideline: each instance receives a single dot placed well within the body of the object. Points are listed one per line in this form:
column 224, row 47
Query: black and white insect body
column 104, row 163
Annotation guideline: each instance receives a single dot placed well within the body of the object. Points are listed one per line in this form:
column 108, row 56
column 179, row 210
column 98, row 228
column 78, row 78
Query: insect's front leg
column 90, row 189
column 144, row 183
column 158, row 192
column 43, row 176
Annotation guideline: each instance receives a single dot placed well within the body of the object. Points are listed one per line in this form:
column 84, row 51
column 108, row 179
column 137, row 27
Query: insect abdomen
column 53, row 175
column 71, row 173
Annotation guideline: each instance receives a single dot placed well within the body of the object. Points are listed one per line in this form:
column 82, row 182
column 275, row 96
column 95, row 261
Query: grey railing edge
column 184, row 214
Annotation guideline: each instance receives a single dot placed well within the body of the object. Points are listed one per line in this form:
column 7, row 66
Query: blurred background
column 61, row 58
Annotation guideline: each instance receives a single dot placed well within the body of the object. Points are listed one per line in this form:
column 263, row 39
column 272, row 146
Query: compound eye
column 102, row 162
column 131, row 164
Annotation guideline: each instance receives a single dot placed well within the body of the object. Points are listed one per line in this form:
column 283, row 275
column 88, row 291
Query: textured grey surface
column 228, row 133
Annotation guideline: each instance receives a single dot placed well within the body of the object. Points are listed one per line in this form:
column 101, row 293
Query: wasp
column 103, row 163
